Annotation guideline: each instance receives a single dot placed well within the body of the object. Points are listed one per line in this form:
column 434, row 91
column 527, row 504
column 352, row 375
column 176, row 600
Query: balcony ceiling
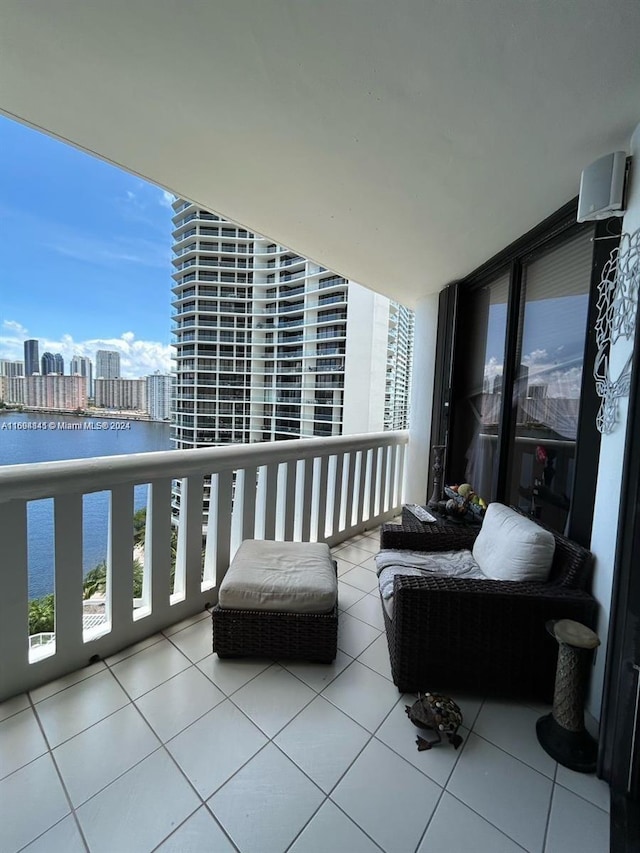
column 401, row 144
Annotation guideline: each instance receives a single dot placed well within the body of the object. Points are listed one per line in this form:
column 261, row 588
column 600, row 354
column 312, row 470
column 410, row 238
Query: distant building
column 263, row 348
column 121, row 394
column 107, row 364
column 399, row 362
column 11, row 368
column 11, row 389
column 159, row 387
column 55, row 392
column 51, row 363
column 31, row 357
column 83, row 366
column 538, row 390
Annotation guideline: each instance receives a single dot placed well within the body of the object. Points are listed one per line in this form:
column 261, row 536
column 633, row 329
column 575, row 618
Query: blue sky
column 85, row 251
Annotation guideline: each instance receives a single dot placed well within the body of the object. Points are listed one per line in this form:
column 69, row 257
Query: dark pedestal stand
column 562, row 733
column 438, row 452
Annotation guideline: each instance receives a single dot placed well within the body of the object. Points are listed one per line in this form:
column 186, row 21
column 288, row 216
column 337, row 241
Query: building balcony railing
column 328, row 489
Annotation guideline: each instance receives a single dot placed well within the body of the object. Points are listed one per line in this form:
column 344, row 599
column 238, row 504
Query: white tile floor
column 164, row 747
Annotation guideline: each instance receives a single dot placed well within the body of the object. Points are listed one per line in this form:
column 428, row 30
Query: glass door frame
column 450, row 355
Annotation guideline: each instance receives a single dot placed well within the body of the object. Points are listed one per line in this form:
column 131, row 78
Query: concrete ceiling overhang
column 400, row 143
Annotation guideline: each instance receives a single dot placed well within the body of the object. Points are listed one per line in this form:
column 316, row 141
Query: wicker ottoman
column 278, row 600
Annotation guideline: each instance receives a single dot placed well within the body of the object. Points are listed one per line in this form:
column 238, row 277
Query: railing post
column 14, row 601
column 67, row 516
column 384, row 484
column 306, row 504
column 157, row 554
column 290, row 500
column 362, row 480
column 193, row 520
column 322, row 499
column 337, row 474
column 271, row 500
column 119, row 600
column 373, row 483
column 221, row 528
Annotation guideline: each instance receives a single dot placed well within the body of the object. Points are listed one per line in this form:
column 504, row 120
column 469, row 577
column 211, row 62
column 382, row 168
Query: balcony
column 276, row 755
column 342, row 486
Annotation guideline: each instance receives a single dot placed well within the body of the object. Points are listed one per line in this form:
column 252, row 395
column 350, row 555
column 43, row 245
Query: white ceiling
column 400, row 143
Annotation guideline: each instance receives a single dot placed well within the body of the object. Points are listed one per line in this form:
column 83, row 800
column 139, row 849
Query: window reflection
column 478, row 387
column 547, row 396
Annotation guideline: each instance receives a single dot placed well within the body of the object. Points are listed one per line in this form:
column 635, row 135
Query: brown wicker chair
column 481, row 635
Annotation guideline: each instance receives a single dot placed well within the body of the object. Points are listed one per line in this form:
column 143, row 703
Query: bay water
column 30, row 438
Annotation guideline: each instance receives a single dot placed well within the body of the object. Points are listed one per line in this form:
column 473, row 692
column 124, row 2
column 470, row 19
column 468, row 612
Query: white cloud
column 538, row 356
column 166, row 199
column 137, row 357
column 14, row 326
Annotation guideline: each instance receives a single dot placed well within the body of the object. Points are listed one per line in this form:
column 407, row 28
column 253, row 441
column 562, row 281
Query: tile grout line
column 271, row 740
column 581, row 797
column 341, row 777
column 486, row 820
column 63, row 689
column 549, row 809
column 62, row 782
column 515, row 758
column 367, row 744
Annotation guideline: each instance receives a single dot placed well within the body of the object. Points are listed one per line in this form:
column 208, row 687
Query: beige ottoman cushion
column 288, row 577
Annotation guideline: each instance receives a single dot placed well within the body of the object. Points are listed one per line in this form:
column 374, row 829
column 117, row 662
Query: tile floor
column 164, row 747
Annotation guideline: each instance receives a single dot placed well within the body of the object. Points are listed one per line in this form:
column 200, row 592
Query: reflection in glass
column 478, row 387
column 547, row 394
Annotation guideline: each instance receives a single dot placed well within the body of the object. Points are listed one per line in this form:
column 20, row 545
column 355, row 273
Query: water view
column 27, row 438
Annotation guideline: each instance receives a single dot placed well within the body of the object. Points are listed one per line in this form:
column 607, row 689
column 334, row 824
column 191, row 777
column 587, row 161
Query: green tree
column 139, row 526
column 42, row 614
column 95, row 581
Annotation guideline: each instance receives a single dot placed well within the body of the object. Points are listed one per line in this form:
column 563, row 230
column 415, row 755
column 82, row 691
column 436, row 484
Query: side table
column 414, row 535
column 562, row 733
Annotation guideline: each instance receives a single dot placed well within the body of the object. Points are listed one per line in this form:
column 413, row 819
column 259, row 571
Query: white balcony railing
column 324, row 489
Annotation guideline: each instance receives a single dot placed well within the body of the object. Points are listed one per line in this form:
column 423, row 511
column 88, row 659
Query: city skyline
column 98, row 241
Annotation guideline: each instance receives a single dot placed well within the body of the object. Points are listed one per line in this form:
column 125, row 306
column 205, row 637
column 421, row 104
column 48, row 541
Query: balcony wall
column 303, row 490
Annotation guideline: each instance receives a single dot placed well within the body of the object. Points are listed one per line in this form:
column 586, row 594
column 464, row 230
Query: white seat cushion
column 287, row 577
column 511, row 547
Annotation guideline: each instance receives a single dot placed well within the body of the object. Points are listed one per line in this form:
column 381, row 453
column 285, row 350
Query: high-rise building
column 159, row 387
column 31, row 357
column 399, row 361
column 83, row 366
column 107, row 364
column 11, row 368
column 12, row 389
column 55, row 392
column 52, row 364
column 263, row 348
column 121, row 394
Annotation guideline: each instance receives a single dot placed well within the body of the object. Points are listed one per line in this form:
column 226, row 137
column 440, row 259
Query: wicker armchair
column 481, row 635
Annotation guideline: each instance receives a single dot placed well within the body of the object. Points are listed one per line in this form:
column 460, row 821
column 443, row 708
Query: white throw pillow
column 511, row 547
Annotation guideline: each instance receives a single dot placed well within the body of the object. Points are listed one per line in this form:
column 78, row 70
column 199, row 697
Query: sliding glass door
column 552, row 328
column 478, row 386
column 517, row 377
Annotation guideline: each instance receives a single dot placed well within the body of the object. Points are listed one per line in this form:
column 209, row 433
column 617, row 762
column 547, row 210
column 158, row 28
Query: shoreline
column 94, row 413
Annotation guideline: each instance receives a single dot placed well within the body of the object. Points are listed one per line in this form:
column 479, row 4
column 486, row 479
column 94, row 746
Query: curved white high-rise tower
column 266, row 340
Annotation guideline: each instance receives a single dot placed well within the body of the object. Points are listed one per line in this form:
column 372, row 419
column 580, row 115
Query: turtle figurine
column 439, row 713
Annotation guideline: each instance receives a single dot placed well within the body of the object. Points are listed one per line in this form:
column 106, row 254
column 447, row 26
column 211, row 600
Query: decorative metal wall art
column 617, row 310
